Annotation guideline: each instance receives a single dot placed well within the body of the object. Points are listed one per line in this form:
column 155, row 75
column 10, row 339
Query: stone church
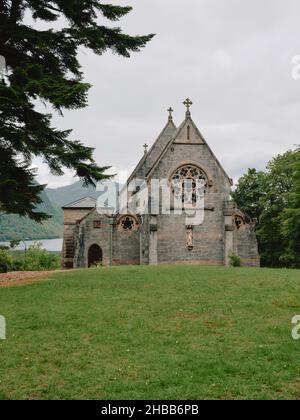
column 102, row 235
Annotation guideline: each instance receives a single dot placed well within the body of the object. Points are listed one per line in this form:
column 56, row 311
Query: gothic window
column 188, row 132
column 189, row 183
column 97, row 224
column 239, row 222
column 128, row 223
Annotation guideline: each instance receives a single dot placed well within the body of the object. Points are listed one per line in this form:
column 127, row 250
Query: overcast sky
column 231, row 57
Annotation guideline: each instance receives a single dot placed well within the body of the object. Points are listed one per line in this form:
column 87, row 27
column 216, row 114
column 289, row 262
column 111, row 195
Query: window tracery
column 189, row 183
column 128, row 223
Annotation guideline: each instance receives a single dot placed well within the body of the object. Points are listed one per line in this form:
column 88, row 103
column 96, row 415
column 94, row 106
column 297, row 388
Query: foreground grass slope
column 159, row 333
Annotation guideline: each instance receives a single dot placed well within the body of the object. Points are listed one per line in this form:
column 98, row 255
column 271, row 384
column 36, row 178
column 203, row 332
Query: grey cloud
column 232, row 57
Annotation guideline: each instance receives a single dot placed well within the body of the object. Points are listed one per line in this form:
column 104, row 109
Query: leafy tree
column 249, row 193
column 35, row 259
column 290, row 217
column 38, row 259
column 4, row 248
column 6, row 261
column 273, row 197
column 42, row 65
column 280, row 182
column 14, row 243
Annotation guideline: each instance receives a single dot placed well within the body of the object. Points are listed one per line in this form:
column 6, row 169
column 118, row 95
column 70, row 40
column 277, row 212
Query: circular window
column 189, row 183
column 128, row 223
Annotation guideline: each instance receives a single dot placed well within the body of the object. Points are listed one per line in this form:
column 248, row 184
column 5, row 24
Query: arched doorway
column 95, row 255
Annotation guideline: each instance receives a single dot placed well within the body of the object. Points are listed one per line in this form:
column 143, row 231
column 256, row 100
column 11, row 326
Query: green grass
column 152, row 333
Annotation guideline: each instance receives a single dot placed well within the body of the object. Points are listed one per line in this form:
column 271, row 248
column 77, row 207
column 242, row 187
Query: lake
column 53, row 245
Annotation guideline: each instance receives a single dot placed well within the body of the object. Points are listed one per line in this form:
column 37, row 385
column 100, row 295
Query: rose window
column 128, row 223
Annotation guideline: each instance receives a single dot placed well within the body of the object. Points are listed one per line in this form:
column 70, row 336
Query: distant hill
column 65, row 195
column 16, row 227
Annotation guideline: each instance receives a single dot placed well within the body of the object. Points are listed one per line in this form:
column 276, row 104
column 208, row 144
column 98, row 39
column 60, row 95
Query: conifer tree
column 42, row 65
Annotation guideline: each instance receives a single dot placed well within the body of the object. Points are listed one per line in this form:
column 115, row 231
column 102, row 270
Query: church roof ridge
column 84, row 202
column 169, row 123
column 96, row 209
column 188, row 117
column 178, row 130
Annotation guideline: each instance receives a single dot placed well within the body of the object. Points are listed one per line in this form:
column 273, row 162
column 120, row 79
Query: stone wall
column 247, row 247
column 71, row 219
column 126, row 250
column 72, row 216
column 89, row 235
column 122, row 246
column 209, row 238
column 165, row 238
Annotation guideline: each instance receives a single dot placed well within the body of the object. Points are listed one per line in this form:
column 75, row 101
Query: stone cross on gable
column 188, row 103
column 170, row 111
column 145, row 148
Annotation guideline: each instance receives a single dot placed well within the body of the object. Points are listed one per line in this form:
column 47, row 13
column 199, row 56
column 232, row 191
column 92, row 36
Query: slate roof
column 83, row 203
column 187, row 120
column 148, row 160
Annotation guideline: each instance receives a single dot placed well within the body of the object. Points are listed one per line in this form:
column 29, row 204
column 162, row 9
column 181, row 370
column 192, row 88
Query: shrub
column 18, row 264
column 97, row 265
column 235, row 260
column 4, row 248
column 6, row 261
column 38, row 259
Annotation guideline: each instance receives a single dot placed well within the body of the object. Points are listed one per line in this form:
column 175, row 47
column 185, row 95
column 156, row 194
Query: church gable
column 153, row 154
column 160, row 144
column 188, row 133
column 188, row 146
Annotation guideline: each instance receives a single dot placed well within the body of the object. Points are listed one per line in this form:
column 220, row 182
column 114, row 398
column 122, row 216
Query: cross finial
column 188, row 103
column 146, row 148
column 170, row 111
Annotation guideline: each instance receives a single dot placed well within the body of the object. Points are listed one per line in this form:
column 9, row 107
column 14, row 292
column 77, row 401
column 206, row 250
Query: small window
column 97, row 224
column 239, row 222
column 128, row 224
column 189, row 133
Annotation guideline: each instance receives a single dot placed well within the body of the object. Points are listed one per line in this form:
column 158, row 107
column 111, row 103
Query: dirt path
column 22, row 278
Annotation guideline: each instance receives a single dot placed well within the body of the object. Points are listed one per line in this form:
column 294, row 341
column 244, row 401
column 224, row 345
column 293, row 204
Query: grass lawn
column 152, row 333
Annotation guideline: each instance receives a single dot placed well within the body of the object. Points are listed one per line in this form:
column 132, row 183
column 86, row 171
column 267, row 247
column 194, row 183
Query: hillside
column 170, row 333
column 16, row 227
column 65, row 195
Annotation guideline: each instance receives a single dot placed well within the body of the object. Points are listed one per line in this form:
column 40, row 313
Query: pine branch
column 43, row 66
